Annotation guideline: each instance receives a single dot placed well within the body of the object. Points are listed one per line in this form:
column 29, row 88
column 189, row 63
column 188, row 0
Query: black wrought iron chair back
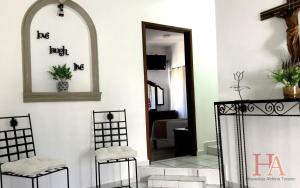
column 110, row 129
column 16, row 140
column 16, row 143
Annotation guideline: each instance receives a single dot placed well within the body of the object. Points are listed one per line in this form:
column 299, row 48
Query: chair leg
column 37, row 182
column 1, row 180
column 68, row 177
column 96, row 173
column 129, row 173
column 32, row 182
column 136, row 174
column 99, row 175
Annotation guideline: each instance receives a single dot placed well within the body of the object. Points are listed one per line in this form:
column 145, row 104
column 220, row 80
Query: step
column 212, row 186
column 212, row 175
column 147, row 171
column 212, row 150
column 177, row 181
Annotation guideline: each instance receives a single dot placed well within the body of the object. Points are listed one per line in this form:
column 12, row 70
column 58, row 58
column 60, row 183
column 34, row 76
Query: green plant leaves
column 289, row 76
column 60, row 72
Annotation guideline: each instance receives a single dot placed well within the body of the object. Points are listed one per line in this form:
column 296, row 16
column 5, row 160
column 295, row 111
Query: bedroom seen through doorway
column 169, row 92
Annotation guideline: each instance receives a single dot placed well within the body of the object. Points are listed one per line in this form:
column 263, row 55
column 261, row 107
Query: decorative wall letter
column 42, row 35
column 78, row 67
column 60, row 51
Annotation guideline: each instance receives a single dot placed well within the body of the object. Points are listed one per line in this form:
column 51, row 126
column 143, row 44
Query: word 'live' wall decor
column 56, row 32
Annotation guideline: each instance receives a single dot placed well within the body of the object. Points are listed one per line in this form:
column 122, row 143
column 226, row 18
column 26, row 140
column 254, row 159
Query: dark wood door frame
column 188, row 47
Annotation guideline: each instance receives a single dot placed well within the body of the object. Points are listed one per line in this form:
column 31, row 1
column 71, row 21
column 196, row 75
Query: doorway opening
column 169, row 91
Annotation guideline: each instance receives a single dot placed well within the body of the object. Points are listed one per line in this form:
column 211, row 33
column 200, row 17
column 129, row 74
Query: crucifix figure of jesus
column 289, row 12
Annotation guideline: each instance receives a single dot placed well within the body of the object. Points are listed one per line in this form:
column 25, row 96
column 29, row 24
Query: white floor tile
column 181, row 172
column 146, row 172
column 170, row 184
column 212, row 175
column 203, row 161
column 173, row 163
column 191, row 185
column 208, row 157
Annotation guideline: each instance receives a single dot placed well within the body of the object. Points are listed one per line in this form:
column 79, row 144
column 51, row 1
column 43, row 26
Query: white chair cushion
column 115, row 152
column 32, row 166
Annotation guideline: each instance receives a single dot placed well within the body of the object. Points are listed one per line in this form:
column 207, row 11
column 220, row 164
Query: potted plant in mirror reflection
column 289, row 76
column 62, row 74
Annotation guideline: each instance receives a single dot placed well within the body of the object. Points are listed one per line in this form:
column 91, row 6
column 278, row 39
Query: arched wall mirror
column 57, row 33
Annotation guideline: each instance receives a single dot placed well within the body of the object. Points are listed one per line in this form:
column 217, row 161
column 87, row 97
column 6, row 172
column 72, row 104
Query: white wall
column 178, row 52
column 246, row 43
column 63, row 129
column 161, row 77
column 77, row 44
column 263, row 135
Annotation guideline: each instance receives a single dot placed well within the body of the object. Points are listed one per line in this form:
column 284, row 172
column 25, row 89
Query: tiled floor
column 133, row 185
column 163, row 153
column 144, row 185
column 202, row 161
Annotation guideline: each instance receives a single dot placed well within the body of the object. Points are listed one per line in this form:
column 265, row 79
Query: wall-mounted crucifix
column 289, row 12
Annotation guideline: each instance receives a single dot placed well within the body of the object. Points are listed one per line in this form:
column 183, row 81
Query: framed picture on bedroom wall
column 155, row 95
column 152, row 95
column 159, row 95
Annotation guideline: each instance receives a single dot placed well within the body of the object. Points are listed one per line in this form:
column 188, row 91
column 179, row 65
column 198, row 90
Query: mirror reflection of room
column 166, row 90
column 170, row 131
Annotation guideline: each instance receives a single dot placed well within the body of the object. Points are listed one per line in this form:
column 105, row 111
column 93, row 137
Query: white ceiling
column 162, row 38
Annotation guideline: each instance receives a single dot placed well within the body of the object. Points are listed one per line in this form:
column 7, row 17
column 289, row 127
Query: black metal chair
column 17, row 146
column 110, row 132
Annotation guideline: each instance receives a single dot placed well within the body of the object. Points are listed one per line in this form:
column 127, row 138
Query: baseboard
column 209, row 143
column 143, row 163
column 115, row 184
column 205, row 145
column 200, row 152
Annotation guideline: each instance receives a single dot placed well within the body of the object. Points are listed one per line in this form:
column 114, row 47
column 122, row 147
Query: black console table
column 237, row 111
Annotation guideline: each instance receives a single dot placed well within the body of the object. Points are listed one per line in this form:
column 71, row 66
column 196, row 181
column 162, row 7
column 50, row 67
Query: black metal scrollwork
column 221, row 109
column 268, row 108
column 227, row 109
column 274, row 108
column 250, row 107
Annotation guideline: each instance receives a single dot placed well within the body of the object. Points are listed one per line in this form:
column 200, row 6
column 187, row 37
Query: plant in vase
column 289, row 76
column 62, row 74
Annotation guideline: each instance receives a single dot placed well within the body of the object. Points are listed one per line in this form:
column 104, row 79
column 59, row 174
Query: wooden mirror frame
column 28, row 94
